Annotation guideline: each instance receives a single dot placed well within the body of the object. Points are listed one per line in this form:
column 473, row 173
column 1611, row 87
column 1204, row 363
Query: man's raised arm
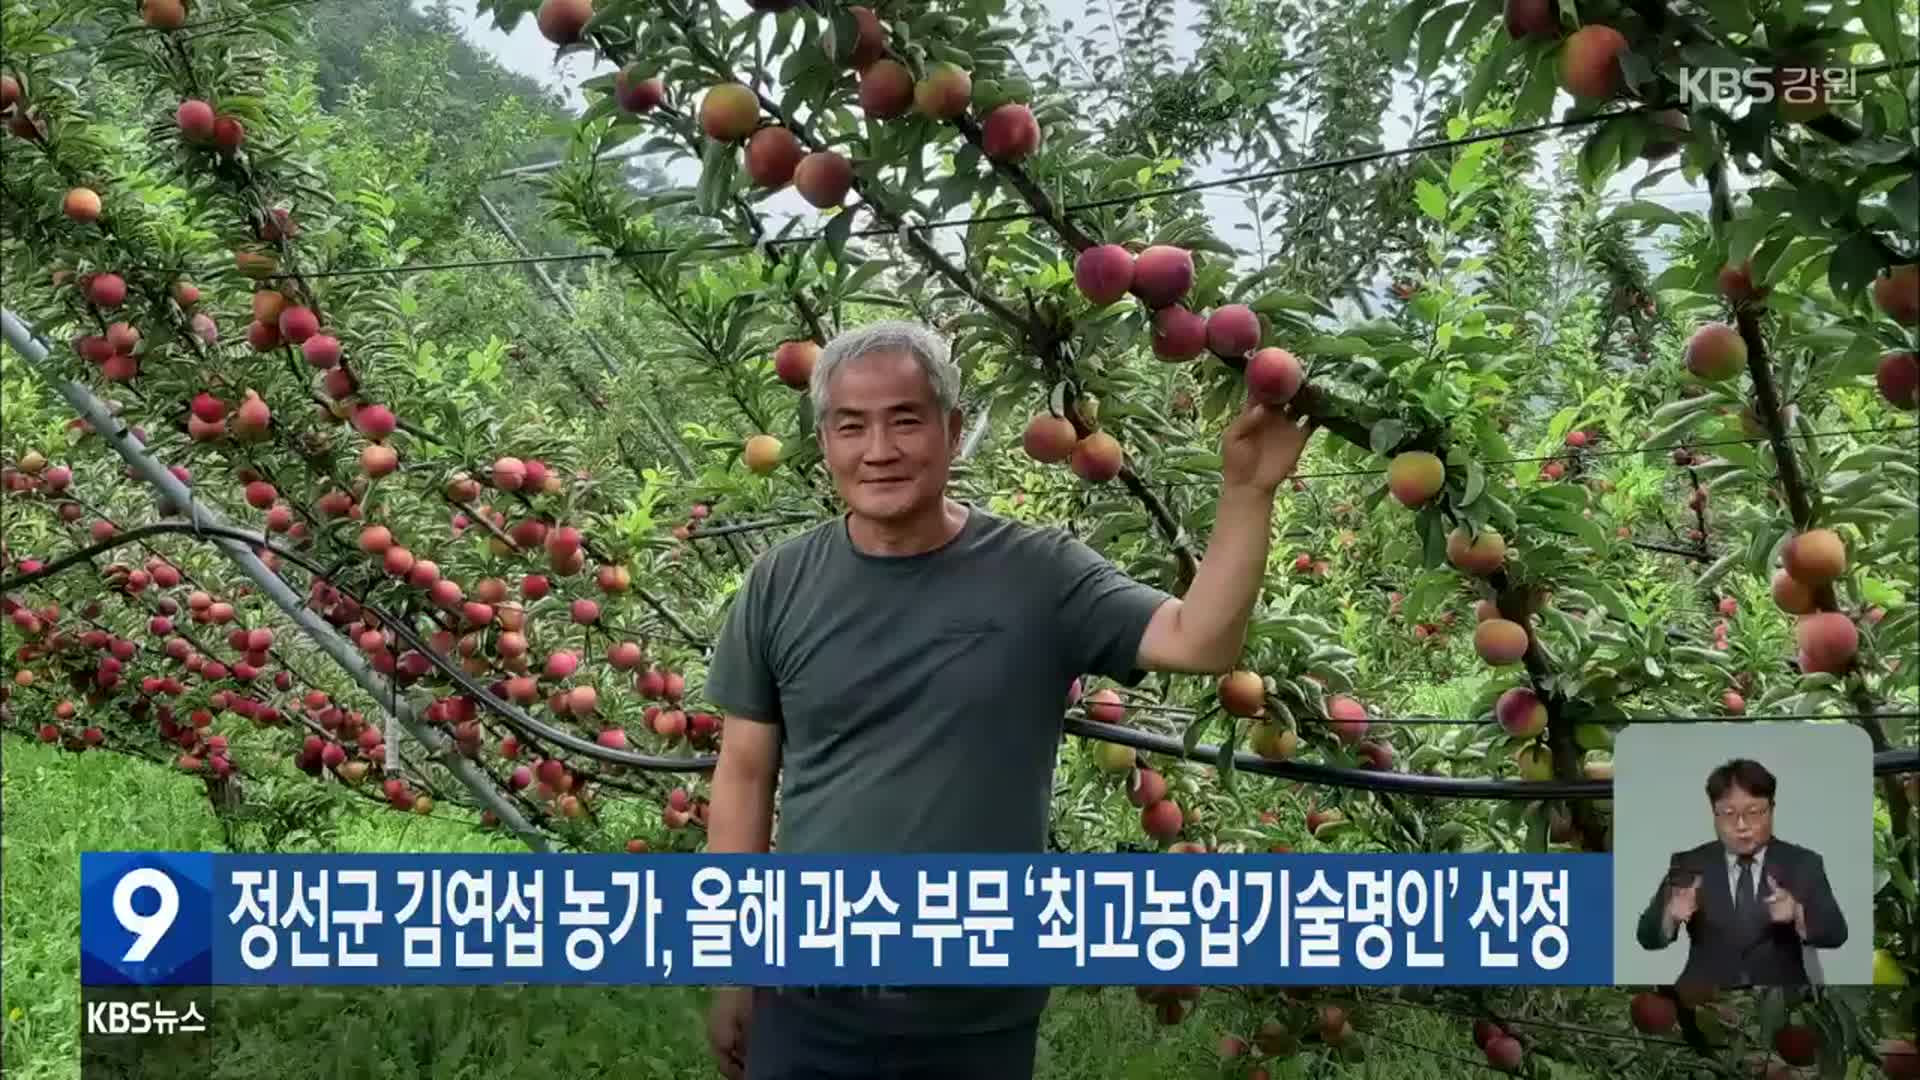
column 1206, row 631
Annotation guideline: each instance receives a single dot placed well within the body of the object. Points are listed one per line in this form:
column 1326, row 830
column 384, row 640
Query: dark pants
column 800, row 1039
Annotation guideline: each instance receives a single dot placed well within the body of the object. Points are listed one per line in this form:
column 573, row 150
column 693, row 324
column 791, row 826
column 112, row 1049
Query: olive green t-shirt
column 920, row 699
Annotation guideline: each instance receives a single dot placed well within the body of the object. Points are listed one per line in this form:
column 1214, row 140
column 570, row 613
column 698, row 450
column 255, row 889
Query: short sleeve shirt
column 920, row 697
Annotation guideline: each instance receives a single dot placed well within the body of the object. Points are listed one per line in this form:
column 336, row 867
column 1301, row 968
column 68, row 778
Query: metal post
column 276, row 588
column 539, row 167
column 971, row 441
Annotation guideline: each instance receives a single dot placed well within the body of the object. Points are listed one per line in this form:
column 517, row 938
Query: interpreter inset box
column 1743, row 854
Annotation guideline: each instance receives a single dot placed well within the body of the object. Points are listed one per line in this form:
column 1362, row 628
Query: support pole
column 85, row 403
column 973, row 438
column 539, row 167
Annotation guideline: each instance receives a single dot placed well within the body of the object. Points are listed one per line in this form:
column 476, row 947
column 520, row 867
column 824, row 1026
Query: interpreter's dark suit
column 1726, row 951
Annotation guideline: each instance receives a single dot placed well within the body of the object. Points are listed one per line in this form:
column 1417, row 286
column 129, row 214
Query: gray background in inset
column 1824, row 802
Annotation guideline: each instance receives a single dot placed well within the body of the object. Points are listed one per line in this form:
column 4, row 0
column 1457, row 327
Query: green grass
column 57, row 804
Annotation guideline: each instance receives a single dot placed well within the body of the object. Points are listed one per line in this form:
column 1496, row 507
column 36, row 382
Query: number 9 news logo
column 145, row 918
column 147, row 930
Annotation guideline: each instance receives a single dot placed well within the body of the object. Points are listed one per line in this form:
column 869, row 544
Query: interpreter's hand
column 1683, row 901
column 1781, row 906
column 727, row 1020
column 1262, row 446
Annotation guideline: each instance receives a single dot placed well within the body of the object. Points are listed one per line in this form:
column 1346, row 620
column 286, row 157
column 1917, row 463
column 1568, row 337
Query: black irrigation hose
column 1886, row 763
column 140, row 533
column 526, row 724
column 1447, row 721
column 508, row 712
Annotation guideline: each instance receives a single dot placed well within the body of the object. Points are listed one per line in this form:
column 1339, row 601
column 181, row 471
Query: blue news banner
column 197, row 919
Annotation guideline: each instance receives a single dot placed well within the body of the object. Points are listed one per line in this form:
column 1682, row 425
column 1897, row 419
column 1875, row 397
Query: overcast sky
column 526, row 52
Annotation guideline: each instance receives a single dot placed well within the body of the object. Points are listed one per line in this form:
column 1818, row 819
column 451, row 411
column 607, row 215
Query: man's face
column 1743, row 820
column 883, row 438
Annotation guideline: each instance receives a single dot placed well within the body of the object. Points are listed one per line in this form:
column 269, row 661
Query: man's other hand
column 1781, row 905
column 727, row 1019
column 1683, row 901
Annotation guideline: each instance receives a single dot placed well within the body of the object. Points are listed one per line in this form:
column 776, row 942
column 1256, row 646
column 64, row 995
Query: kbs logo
column 141, row 1018
column 1795, row 86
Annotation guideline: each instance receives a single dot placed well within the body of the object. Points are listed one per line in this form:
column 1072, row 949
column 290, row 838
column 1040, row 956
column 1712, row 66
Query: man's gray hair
column 916, row 340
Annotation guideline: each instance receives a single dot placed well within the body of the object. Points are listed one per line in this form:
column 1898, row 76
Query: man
column 1750, row 901
column 902, row 671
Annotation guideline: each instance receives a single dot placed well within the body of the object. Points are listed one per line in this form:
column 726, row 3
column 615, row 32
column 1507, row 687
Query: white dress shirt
column 1733, row 875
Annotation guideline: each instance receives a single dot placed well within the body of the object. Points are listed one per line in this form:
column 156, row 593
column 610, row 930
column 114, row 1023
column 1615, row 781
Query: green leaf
column 1903, row 202
column 1537, row 830
column 1476, row 20
column 1542, row 84
column 837, row 232
column 1733, row 16
column 1397, row 39
column 1674, row 410
column 1195, row 728
column 1429, row 589
column 1745, row 234
column 1601, row 154
column 1338, row 346
column 1721, row 568
column 1465, row 174
column 1771, row 264
column 1385, row 435
column 1475, row 485
column 1432, row 200
column 1663, row 440
column 1493, row 67
column 1760, row 547
column 1433, row 36
column 1883, row 23
column 1223, row 759
column 1433, row 535
column 1610, row 598
column 1878, row 151
column 1641, row 210
column 1854, row 264
column 716, row 176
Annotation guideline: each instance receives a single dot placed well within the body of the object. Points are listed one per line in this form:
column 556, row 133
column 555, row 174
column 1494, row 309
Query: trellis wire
column 1349, row 161
column 733, row 246
column 1887, row 762
column 1651, row 448
column 138, row 534
column 36, row 353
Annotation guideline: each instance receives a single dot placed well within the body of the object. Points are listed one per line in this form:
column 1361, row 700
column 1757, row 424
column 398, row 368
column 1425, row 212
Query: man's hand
column 1781, row 906
column 1683, row 901
column 1263, row 446
column 727, row 1021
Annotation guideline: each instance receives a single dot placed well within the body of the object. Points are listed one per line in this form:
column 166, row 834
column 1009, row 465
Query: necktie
column 1743, row 899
